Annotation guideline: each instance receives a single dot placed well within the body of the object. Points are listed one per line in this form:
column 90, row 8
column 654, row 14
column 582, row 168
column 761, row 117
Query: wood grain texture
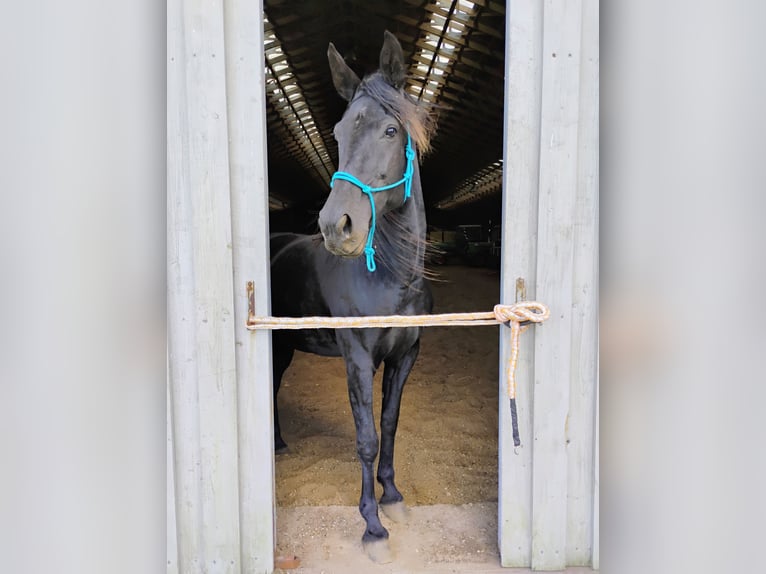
column 201, row 329
column 246, row 113
column 182, row 357
column 582, row 398
column 519, row 260
column 172, row 533
column 596, row 556
column 555, row 267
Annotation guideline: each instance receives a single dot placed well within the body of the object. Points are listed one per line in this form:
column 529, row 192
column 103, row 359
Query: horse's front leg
column 394, row 377
column 360, row 371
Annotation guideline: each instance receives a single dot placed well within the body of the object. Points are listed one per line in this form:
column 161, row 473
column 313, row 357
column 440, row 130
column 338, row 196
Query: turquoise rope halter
column 409, row 153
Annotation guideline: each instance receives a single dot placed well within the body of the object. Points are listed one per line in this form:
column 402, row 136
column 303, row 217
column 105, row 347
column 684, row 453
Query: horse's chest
column 384, row 343
column 396, row 341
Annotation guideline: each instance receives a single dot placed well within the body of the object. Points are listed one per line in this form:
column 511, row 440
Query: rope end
column 370, row 254
column 515, row 424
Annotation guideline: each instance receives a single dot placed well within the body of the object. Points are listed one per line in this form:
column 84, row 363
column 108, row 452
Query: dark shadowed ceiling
column 455, row 51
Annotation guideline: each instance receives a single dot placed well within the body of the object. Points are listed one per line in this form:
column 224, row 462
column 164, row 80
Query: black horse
column 325, row 274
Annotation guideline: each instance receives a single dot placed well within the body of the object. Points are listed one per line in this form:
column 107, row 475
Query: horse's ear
column 343, row 77
column 392, row 60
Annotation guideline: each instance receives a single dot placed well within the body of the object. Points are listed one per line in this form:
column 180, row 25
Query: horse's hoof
column 379, row 551
column 282, row 449
column 396, row 511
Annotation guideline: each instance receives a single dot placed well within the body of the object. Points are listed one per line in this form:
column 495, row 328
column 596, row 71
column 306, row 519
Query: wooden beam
column 249, row 213
column 555, row 269
column 202, row 367
column 521, row 153
column 584, row 365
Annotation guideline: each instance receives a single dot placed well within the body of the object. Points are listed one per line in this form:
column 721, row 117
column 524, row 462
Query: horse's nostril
column 345, row 225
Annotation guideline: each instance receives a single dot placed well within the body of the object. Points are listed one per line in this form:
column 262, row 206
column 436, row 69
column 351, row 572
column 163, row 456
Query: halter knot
column 369, row 253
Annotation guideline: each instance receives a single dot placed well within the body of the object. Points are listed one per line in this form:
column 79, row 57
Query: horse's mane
column 398, row 242
column 418, row 119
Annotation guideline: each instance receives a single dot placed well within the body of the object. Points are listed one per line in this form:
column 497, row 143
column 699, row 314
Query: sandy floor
column 434, row 539
column 446, row 451
column 440, row 539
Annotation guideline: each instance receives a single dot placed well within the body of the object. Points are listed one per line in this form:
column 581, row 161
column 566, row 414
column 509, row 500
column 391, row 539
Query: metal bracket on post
column 250, row 303
column 521, row 289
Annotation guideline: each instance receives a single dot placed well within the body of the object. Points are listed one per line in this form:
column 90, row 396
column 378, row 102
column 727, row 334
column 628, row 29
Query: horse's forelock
column 418, row 120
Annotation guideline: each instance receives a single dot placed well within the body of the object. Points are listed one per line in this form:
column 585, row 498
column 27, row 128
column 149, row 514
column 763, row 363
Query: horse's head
column 371, row 149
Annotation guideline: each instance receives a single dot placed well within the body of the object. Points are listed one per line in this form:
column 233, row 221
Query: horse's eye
column 390, row 131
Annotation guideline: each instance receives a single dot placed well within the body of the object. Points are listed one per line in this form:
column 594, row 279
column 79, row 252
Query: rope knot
column 522, row 311
column 369, row 252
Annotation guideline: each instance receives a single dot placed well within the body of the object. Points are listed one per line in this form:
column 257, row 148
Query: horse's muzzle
column 340, row 238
